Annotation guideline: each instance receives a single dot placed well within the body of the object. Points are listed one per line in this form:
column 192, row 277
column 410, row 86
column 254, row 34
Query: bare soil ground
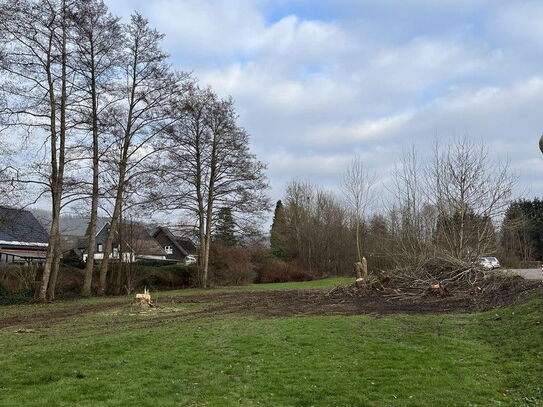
column 352, row 301
column 345, row 300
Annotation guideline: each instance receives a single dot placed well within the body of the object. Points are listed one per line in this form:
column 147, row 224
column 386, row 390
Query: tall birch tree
column 35, row 71
column 140, row 115
column 97, row 35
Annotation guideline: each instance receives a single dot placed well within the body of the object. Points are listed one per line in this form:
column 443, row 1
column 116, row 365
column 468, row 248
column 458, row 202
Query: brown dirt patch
column 345, row 301
column 339, row 301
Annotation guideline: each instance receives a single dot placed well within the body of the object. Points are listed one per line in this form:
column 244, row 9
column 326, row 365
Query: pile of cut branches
column 405, row 284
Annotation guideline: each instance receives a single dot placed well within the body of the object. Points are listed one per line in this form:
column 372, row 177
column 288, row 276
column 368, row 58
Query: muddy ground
column 292, row 303
column 346, row 301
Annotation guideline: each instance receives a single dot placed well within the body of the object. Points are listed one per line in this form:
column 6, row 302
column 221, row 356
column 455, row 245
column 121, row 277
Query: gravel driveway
column 529, row 274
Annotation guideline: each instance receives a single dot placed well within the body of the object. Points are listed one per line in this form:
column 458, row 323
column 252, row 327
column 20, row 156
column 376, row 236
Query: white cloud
column 364, row 130
column 375, row 77
column 211, row 26
column 520, row 21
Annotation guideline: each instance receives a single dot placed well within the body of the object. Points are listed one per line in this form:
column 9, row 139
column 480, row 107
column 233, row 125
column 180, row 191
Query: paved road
column 529, row 274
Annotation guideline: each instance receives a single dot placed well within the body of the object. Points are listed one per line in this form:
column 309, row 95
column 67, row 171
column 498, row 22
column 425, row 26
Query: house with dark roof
column 22, row 238
column 140, row 242
column 177, row 248
column 132, row 242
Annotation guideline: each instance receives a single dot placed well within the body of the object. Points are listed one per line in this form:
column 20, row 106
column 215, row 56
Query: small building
column 22, row 238
column 140, row 242
column 74, row 234
column 177, row 248
column 132, row 242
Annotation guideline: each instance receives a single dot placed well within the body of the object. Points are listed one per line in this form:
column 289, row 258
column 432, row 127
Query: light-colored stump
column 361, row 269
column 143, row 300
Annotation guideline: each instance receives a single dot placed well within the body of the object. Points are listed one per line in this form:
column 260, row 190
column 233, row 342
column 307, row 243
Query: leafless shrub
column 16, row 278
column 283, row 272
column 231, row 265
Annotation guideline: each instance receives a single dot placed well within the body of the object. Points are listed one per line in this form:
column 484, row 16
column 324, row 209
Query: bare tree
column 36, row 70
column 411, row 217
column 210, row 164
column 444, row 212
column 141, row 115
column 470, row 192
column 97, row 36
column 318, row 230
column 357, row 186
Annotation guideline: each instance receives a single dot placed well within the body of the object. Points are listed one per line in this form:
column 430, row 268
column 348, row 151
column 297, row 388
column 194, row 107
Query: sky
column 317, row 82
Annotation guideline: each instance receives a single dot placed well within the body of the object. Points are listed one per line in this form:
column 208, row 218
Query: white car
column 489, row 263
column 190, row 259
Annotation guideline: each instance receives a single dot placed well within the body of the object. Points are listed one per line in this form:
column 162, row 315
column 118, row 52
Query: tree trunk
column 358, row 248
column 209, row 211
column 118, row 276
column 41, row 292
column 113, row 225
column 109, row 243
column 89, row 269
column 201, row 256
column 201, row 218
column 54, row 272
column 207, row 239
column 44, row 283
column 57, row 172
column 206, row 255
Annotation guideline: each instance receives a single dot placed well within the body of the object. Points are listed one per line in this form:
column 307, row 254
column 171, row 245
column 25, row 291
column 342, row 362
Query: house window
column 100, row 247
column 168, row 249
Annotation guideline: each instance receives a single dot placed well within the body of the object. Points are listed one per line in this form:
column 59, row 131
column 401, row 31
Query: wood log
column 439, row 289
column 360, row 282
column 383, row 278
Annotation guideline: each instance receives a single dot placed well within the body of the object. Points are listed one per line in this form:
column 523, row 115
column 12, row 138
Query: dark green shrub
column 72, row 259
column 127, row 278
column 10, row 298
column 169, row 276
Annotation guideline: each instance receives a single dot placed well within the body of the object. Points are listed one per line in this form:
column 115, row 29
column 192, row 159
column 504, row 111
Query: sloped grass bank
column 124, row 357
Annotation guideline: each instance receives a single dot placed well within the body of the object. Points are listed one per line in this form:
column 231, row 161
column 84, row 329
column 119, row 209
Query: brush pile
column 487, row 288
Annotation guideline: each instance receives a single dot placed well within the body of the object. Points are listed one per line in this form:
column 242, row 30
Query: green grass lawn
column 120, row 357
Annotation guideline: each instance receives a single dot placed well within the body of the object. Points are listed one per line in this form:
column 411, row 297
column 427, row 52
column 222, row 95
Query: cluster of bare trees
column 437, row 218
column 100, row 117
column 209, row 163
column 311, row 227
column 445, row 210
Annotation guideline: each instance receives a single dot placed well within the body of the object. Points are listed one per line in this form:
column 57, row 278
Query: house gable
column 166, row 239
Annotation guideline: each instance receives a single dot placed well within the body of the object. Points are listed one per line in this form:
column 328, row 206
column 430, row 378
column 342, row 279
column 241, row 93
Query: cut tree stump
column 361, row 269
column 144, row 300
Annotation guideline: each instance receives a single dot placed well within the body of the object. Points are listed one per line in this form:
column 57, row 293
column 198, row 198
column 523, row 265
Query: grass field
column 180, row 355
